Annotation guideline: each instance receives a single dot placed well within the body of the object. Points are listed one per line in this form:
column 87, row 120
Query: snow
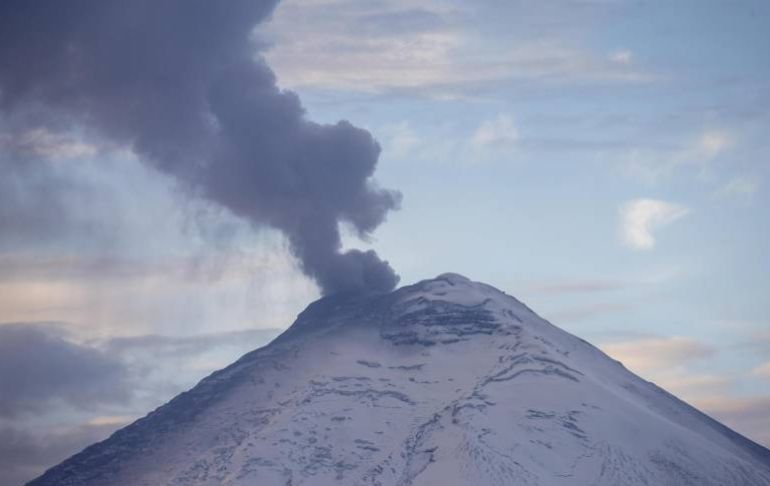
column 445, row 382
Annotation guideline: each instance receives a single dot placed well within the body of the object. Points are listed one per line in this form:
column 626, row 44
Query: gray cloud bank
column 41, row 367
column 102, row 384
column 24, row 456
column 182, row 83
column 38, row 366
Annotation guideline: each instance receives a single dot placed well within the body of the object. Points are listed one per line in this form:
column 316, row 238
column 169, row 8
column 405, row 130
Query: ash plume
column 183, row 84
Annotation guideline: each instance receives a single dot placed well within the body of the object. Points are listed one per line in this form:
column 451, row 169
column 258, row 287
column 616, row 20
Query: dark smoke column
column 182, row 83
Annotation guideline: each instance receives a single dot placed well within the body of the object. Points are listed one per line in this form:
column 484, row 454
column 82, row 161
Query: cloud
column 641, row 217
column 739, row 187
column 426, row 48
column 106, row 384
column 760, row 340
column 163, row 365
column 697, row 152
column 401, row 140
column 653, row 353
column 496, row 133
column 714, row 142
column 24, row 454
column 623, row 56
column 691, row 386
column 490, row 140
column 762, row 370
column 40, row 367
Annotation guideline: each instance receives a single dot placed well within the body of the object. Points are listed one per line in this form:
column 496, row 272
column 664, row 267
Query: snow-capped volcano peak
column 444, row 382
column 449, row 295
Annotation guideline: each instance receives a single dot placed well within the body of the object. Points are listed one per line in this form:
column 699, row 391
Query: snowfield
column 445, row 382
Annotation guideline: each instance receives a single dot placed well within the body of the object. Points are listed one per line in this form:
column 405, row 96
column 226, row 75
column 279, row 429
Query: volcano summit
column 445, row 382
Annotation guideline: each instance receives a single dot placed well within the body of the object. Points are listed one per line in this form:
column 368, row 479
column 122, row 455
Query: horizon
column 605, row 162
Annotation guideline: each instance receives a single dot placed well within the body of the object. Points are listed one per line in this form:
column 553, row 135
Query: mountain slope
column 445, row 382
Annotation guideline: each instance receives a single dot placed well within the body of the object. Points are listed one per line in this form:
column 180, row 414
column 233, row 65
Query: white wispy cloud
column 713, row 142
column 623, row 56
column 498, row 132
column 400, row 139
column 695, row 153
column 491, row 140
column 640, row 218
column 427, row 47
column 653, row 353
column 762, row 370
column 739, row 187
column 692, row 386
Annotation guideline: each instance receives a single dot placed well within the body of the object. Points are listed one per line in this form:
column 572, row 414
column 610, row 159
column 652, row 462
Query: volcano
column 444, row 382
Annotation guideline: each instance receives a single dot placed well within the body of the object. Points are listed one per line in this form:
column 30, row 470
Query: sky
column 605, row 161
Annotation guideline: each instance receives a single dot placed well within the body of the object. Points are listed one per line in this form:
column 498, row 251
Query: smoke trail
column 183, row 84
